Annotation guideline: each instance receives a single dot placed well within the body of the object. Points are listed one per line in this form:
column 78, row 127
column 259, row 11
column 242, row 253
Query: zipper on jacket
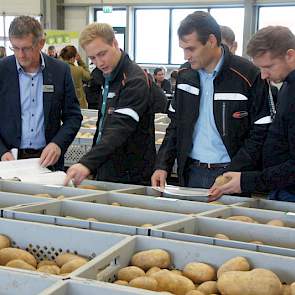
column 223, row 119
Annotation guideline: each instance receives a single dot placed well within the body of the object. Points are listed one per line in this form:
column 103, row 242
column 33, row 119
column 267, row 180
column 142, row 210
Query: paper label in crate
column 182, row 191
column 290, row 213
column 166, row 199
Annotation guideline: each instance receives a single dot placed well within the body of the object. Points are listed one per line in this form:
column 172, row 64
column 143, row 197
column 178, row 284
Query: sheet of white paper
column 182, row 191
column 51, row 178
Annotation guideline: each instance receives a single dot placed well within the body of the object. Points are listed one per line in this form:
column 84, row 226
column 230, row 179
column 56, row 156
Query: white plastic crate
column 276, row 240
column 201, row 195
column 19, row 282
column 109, row 186
column 106, row 266
column 110, row 218
column 47, row 241
column 149, row 203
column 52, row 190
column 261, row 216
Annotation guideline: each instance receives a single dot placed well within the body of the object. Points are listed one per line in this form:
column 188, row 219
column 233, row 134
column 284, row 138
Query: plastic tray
column 109, row 186
column 182, row 253
column 149, row 203
column 111, row 218
column 277, row 240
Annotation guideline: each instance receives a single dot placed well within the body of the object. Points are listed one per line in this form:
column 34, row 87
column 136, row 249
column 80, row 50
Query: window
column 177, row 16
column 117, row 19
column 151, row 35
column 1, row 26
column 233, row 18
column 277, row 15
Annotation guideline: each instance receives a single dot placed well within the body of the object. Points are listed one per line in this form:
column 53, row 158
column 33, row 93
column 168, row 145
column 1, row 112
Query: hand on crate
column 7, row 157
column 77, row 173
column 231, row 187
column 159, row 178
column 50, row 155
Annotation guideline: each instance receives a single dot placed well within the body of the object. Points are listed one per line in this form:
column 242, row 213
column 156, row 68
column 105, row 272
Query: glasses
column 25, row 50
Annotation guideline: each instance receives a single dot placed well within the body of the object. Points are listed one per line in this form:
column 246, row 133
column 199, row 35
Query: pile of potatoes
column 21, row 259
column 273, row 222
column 150, row 270
column 61, row 197
column 225, row 237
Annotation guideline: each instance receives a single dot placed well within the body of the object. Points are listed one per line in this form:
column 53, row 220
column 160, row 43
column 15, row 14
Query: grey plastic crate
column 149, row 203
column 109, row 186
column 52, row 190
column 203, row 230
column 182, row 253
column 261, row 216
column 201, row 195
column 82, row 287
column 270, row 205
column 47, row 241
column 111, row 218
column 20, row 282
column 161, row 127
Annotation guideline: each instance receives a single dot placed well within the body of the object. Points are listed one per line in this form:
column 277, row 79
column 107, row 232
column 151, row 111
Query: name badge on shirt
column 48, row 88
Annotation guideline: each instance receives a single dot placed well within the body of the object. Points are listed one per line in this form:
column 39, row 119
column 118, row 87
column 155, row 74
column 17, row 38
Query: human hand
column 50, row 155
column 77, row 173
column 8, row 156
column 231, row 187
column 159, row 178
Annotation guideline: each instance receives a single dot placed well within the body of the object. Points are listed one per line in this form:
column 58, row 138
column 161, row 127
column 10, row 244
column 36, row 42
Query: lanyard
column 103, row 108
column 271, row 102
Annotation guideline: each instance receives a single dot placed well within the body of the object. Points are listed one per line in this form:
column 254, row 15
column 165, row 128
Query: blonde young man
column 123, row 148
column 273, row 51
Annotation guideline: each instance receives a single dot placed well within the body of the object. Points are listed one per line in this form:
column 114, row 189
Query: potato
column 52, row 269
column 120, row 282
column 129, row 273
column 61, row 197
column 286, row 290
column 237, row 263
column 146, row 225
column 199, row 272
column 257, row 242
column 241, row 218
column 177, row 271
column 152, row 270
column 18, row 263
column 292, row 287
column 208, row 287
column 171, row 282
column 258, row 281
column 61, row 259
column 8, row 254
column 72, row 265
column 194, row 292
column 221, row 236
column 87, row 186
column 144, row 282
column 149, row 258
column 45, row 262
column 216, row 203
column 92, row 219
column 221, row 180
column 43, row 195
column 4, row 242
column 116, row 204
column 276, row 222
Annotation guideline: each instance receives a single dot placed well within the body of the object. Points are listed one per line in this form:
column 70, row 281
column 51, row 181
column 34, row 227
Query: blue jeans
column 281, row 195
column 200, row 177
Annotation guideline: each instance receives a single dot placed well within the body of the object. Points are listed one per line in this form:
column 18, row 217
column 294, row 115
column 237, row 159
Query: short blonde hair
column 92, row 31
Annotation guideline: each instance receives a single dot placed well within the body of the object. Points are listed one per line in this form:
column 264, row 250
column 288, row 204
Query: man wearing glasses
column 39, row 111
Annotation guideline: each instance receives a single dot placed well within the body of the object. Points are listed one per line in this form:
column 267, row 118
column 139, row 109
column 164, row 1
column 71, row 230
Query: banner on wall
column 60, row 39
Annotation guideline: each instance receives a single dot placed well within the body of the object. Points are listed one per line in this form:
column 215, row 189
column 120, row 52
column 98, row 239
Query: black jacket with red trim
column 126, row 151
column 241, row 113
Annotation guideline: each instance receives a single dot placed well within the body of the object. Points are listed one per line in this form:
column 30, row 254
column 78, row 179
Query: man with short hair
column 273, row 51
column 219, row 114
column 51, row 51
column 124, row 145
column 39, row 110
column 164, row 84
column 229, row 39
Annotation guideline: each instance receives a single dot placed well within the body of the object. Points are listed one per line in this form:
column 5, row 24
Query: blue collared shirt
column 208, row 146
column 32, row 115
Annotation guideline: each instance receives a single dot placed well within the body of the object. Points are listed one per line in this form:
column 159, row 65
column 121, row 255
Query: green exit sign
column 107, row 9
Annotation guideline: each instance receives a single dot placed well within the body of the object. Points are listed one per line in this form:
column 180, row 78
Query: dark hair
column 157, row 70
column 274, row 39
column 68, row 52
column 174, row 74
column 2, row 51
column 51, row 47
column 227, row 34
column 23, row 26
column 203, row 24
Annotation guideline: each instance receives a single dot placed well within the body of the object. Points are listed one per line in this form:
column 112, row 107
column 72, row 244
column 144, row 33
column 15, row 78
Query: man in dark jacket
column 219, row 114
column 39, row 110
column 273, row 51
column 124, row 144
column 164, row 84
